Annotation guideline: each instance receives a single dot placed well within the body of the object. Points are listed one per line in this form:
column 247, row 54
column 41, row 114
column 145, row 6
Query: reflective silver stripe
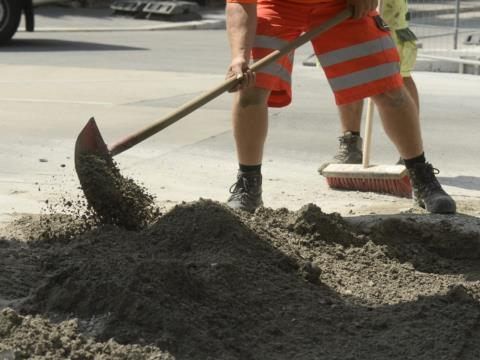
column 356, row 51
column 268, row 42
column 364, row 76
column 277, row 70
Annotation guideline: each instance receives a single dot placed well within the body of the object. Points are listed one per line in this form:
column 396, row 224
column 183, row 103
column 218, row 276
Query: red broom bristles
column 399, row 187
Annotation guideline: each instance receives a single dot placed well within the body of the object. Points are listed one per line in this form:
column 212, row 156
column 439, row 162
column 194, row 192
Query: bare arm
column 241, row 26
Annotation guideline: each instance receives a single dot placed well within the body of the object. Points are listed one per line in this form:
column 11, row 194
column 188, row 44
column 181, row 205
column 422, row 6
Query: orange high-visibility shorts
column 358, row 57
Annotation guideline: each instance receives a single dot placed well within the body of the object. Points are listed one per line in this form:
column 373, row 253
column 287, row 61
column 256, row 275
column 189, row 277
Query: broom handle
column 367, row 145
column 367, row 138
column 196, row 103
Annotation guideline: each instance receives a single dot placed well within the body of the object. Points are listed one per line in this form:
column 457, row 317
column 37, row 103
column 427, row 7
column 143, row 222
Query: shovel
column 90, row 142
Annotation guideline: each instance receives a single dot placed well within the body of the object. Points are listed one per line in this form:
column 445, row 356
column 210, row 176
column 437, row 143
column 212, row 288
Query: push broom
column 384, row 179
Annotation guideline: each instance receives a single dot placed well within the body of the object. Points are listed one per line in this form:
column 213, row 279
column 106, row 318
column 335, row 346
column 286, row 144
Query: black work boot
column 246, row 192
column 428, row 192
column 349, row 151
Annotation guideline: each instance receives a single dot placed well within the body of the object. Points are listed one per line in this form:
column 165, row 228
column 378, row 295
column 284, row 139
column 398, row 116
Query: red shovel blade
column 90, row 141
column 90, row 145
column 113, row 198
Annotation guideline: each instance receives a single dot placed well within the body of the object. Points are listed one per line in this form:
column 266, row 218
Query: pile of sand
column 28, row 337
column 203, row 282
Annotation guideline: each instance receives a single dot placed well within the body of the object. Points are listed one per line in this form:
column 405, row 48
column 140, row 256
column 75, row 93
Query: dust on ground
column 204, row 282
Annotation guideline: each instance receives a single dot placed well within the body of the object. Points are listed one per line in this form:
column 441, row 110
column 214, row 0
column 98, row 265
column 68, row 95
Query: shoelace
column 428, row 182
column 240, row 189
column 344, row 148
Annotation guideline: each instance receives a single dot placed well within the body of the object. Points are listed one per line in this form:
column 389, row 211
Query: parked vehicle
column 11, row 13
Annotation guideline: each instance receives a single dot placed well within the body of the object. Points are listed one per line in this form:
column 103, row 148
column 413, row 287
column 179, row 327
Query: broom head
column 384, row 179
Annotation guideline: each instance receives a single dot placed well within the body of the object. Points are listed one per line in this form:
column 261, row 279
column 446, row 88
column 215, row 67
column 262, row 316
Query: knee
column 393, row 98
column 251, row 97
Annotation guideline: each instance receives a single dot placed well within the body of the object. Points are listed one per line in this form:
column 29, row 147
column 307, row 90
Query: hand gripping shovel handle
column 196, row 103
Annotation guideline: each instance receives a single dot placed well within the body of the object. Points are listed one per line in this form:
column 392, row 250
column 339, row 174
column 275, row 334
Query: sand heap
column 32, row 337
column 203, row 282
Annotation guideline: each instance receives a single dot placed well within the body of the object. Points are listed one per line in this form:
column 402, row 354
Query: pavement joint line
column 56, row 101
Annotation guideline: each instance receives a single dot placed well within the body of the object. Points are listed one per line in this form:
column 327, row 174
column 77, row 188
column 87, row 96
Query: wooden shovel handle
column 196, row 103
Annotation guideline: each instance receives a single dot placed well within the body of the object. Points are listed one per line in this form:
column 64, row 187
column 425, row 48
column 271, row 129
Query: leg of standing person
column 250, row 126
column 407, row 48
column 364, row 62
column 272, row 88
column 395, row 14
column 401, row 123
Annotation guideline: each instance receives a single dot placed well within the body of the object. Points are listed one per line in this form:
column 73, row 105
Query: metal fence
column 448, row 33
column 447, row 28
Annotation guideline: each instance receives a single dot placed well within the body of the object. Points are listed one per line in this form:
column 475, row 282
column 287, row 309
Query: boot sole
column 243, row 208
column 445, row 208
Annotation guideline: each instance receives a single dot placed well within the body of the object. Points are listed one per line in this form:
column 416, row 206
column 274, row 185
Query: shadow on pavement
column 44, row 45
column 464, row 182
column 60, row 11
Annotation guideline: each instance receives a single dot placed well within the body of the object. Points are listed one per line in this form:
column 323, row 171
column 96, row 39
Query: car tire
column 10, row 13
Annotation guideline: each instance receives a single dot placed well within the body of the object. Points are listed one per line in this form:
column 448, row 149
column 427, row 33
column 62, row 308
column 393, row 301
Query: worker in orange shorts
column 396, row 16
column 359, row 59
